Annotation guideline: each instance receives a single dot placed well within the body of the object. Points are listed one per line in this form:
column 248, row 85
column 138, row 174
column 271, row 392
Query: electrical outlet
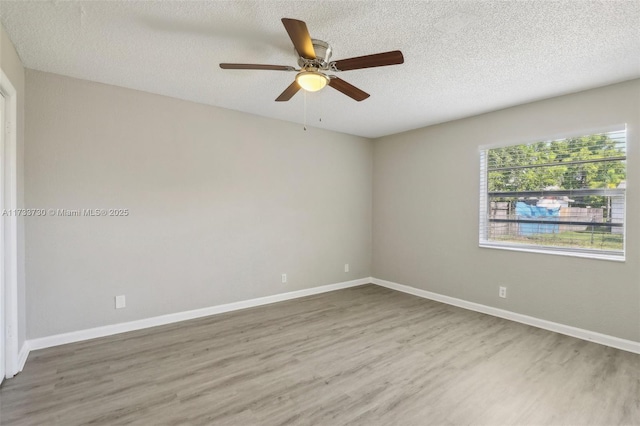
column 502, row 292
column 284, row 278
column 346, row 267
column 121, row 302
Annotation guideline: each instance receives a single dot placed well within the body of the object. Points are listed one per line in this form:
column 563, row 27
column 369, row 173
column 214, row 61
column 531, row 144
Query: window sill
column 555, row 251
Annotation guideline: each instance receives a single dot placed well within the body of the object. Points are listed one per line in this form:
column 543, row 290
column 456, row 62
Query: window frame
column 484, row 200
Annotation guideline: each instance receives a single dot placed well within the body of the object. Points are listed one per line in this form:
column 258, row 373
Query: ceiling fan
column 313, row 59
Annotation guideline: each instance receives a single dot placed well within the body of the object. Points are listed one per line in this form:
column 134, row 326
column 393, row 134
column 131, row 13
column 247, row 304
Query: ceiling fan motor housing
column 323, row 54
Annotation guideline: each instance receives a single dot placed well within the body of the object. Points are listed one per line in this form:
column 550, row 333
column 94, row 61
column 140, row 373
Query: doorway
column 9, row 357
column 2, row 284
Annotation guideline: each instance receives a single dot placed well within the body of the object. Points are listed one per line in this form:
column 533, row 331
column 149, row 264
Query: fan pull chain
column 305, row 111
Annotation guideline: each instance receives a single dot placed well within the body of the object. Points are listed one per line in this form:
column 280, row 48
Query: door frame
column 10, row 224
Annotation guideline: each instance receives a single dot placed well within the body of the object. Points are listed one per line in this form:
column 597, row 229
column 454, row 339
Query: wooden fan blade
column 369, row 61
column 288, row 92
column 256, row 67
column 300, row 37
column 348, row 89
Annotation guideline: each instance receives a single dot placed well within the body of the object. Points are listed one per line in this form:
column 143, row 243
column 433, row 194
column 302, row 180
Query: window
column 564, row 196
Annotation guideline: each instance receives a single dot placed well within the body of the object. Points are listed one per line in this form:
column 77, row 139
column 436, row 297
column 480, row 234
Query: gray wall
column 425, row 216
column 12, row 67
column 222, row 203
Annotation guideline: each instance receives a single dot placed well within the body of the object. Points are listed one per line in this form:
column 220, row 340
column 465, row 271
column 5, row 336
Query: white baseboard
column 22, row 355
column 108, row 330
column 592, row 336
column 19, row 362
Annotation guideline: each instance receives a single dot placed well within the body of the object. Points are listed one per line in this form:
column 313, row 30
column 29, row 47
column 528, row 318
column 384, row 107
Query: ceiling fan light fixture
column 312, row 81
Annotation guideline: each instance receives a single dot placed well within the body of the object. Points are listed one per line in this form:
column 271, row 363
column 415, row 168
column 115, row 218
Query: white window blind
column 565, row 196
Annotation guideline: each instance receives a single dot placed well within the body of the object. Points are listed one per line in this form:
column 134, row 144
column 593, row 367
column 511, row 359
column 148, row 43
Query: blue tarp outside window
column 526, row 212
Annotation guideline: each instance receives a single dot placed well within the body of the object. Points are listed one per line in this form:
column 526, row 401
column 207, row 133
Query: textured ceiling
column 461, row 57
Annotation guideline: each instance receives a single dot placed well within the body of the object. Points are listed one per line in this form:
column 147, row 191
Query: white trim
column 3, row 351
column 592, row 336
column 11, row 228
column 22, row 356
column 483, row 198
column 553, row 250
column 108, row 330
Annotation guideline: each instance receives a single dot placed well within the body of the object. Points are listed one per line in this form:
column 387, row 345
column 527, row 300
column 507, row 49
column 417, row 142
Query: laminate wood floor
column 361, row 356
